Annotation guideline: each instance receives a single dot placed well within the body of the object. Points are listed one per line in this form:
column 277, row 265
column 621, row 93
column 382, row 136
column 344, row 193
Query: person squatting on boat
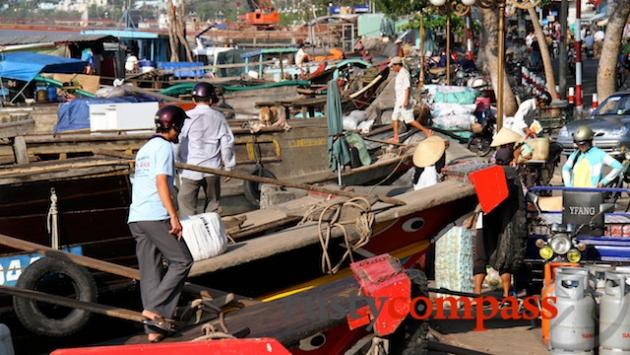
column 523, row 121
column 429, row 158
column 154, row 223
column 501, row 233
column 403, row 106
column 206, row 140
column 584, row 167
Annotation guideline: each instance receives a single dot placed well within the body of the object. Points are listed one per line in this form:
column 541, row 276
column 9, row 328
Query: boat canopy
column 25, row 66
column 265, row 51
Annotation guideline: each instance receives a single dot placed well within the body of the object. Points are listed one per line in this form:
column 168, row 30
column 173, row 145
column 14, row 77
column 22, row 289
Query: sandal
column 160, row 324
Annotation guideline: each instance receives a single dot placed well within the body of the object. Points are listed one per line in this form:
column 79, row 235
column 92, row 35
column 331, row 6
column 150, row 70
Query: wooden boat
column 293, row 255
column 271, row 152
column 293, row 252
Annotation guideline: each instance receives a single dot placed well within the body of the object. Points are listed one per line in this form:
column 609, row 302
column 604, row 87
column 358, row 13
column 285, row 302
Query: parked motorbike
column 562, row 244
column 540, row 172
column 483, row 132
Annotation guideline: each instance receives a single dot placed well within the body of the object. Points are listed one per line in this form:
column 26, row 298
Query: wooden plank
column 264, row 247
column 16, row 128
column 68, row 174
column 19, row 149
column 30, row 170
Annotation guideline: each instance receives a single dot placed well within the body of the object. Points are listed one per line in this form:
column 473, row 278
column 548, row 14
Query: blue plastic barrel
column 52, row 93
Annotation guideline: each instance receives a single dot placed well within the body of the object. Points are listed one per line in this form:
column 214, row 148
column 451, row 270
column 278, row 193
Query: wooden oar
column 261, row 179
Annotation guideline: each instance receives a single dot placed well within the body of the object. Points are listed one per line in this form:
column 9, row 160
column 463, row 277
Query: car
column 610, row 122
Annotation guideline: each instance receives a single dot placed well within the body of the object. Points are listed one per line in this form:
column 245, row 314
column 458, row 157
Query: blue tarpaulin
column 76, row 113
column 183, row 69
column 26, row 65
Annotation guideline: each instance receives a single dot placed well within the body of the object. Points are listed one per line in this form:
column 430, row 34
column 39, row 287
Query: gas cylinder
column 573, row 328
column 614, row 315
column 598, row 277
column 548, row 291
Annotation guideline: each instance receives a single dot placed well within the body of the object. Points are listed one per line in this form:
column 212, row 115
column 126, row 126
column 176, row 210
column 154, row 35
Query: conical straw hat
column 429, row 151
column 505, row 136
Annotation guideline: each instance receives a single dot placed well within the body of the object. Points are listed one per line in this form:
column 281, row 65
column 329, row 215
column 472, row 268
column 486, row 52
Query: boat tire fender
column 28, row 311
column 252, row 188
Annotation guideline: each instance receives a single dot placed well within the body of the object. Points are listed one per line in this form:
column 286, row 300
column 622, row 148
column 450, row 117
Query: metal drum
column 614, row 317
column 573, row 329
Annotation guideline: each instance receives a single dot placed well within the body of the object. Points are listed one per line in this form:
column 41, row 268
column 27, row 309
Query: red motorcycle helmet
column 169, row 117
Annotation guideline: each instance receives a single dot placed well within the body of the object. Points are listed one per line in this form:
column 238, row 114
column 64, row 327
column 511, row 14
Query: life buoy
column 59, row 277
column 252, row 188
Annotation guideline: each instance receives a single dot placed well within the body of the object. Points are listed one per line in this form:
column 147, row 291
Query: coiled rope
column 328, row 218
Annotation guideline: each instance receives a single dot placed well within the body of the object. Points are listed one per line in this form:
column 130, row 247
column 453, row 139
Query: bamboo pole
column 101, row 265
column 85, row 261
column 262, row 180
column 110, row 311
column 383, row 141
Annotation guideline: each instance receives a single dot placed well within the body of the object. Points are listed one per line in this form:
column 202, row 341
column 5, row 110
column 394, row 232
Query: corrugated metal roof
column 127, row 34
column 11, row 37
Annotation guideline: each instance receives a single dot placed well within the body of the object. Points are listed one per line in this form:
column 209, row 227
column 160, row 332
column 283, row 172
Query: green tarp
column 338, row 150
column 186, row 88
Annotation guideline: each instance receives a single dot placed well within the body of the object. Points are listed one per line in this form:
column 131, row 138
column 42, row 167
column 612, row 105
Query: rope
column 211, row 333
column 400, row 161
column 363, row 225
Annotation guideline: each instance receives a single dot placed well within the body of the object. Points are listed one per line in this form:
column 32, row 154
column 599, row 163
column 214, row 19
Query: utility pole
column 564, row 10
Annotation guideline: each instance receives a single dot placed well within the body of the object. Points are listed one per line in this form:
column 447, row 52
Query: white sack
column 204, row 235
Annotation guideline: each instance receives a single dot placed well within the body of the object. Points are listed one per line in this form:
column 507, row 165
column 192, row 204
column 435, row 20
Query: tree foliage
column 397, row 8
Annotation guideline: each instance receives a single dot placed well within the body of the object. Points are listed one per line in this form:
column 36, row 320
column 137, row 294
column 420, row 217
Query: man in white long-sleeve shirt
column 206, row 140
column 524, row 116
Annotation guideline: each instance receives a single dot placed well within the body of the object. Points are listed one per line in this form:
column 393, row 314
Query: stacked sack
column 204, row 235
column 454, row 260
column 452, row 107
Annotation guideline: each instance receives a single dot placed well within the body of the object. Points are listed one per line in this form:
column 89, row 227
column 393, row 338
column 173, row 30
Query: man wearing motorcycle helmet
column 154, row 223
column 206, row 140
column 524, row 118
column 584, row 167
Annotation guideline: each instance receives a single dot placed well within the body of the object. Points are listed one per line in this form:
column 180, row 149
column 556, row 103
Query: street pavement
column 589, row 79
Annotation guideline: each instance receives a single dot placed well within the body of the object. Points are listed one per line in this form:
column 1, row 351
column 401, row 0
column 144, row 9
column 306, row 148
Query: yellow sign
column 306, row 142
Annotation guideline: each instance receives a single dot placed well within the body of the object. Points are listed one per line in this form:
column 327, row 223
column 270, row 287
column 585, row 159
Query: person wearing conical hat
column 428, row 158
column 506, row 143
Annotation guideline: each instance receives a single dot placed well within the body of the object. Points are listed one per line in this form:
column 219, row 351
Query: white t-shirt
column 529, row 40
column 131, row 63
column 402, row 83
column 599, row 36
column 299, row 56
column 517, row 123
